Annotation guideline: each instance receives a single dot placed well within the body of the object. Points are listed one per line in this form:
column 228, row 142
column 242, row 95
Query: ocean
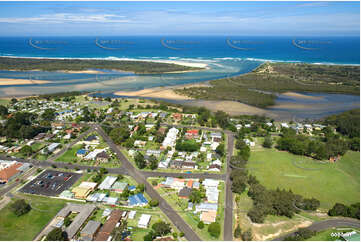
column 327, row 50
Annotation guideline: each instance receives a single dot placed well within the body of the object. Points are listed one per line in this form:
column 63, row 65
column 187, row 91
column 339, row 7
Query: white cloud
column 66, row 17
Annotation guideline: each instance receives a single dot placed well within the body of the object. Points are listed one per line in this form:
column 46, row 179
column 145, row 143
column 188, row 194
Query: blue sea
column 224, row 57
column 328, row 50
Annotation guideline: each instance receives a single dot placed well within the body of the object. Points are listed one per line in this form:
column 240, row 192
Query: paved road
column 326, row 224
column 46, row 164
column 184, row 175
column 228, row 213
column 140, row 178
column 191, row 127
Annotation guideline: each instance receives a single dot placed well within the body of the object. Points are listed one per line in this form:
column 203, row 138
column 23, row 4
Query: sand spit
column 302, row 96
column 9, row 81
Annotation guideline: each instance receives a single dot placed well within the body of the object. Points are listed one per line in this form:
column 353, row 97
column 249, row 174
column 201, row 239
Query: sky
column 179, row 18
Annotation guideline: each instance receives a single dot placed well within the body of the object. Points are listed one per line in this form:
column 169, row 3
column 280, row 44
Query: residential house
column 208, row 217
column 89, row 231
column 102, row 157
column 185, row 192
column 109, row 226
column 119, row 187
column 144, row 221
column 137, row 200
column 107, row 183
column 174, row 183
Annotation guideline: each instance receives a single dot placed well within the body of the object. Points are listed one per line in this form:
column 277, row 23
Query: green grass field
column 329, row 183
column 27, row 226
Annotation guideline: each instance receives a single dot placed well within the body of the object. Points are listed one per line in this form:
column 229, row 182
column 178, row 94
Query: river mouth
column 288, row 106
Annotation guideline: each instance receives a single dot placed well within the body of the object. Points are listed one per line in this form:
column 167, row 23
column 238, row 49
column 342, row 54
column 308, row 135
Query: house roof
column 185, row 192
column 91, row 227
column 209, row 216
column 91, row 138
column 108, row 182
column 109, row 225
column 137, row 199
column 119, row 185
column 81, row 152
column 102, row 155
column 7, row 173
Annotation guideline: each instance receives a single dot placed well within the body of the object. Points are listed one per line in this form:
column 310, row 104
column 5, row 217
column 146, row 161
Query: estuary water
column 224, row 56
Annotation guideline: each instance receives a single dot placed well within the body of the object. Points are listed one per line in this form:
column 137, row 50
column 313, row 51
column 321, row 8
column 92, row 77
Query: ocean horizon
column 306, row 49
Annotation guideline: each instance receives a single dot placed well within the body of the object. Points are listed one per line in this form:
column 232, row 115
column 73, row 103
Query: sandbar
column 302, row 96
column 10, row 81
column 161, row 92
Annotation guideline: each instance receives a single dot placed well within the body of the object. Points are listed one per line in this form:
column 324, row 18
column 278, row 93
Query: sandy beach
column 161, row 92
column 230, row 107
column 9, row 81
column 302, row 96
column 83, row 72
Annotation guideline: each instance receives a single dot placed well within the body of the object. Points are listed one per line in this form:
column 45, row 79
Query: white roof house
column 107, row 183
column 92, row 155
column 171, row 137
column 210, row 183
column 53, row 146
column 144, row 221
column 132, row 214
column 284, row 125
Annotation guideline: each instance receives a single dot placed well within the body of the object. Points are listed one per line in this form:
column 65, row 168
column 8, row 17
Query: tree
column 214, row 229
column 140, row 188
column 119, row 135
column 48, row 115
column 220, row 149
column 153, row 203
column 20, row 207
column 338, row 209
column 67, row 221
column 238, row 232
column 247, row 236
column 153, row 162
column 150, row 236
column 195, row 196
column 161, row 228
column 118, row 231
column 267, row 142
column 139, row 160
column 26, row 150
column 57, row 234
column 3, row 110
column 200, row 225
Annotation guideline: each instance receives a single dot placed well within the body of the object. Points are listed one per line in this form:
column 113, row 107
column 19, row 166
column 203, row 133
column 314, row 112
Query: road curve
column 326, row 224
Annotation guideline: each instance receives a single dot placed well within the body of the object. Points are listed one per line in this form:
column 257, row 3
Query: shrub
column 200, row 225
column 20, row 207
column 214, row 229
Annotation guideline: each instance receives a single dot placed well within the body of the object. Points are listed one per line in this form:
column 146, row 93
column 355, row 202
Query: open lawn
column 329, row 183
column 27, row 226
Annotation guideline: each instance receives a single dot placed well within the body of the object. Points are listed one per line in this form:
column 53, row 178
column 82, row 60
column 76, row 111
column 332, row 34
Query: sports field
column 329, row 183
column 27, row 226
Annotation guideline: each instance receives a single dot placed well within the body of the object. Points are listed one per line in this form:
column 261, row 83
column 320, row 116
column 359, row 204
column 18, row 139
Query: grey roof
column 90, row 228
column 83, row 210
